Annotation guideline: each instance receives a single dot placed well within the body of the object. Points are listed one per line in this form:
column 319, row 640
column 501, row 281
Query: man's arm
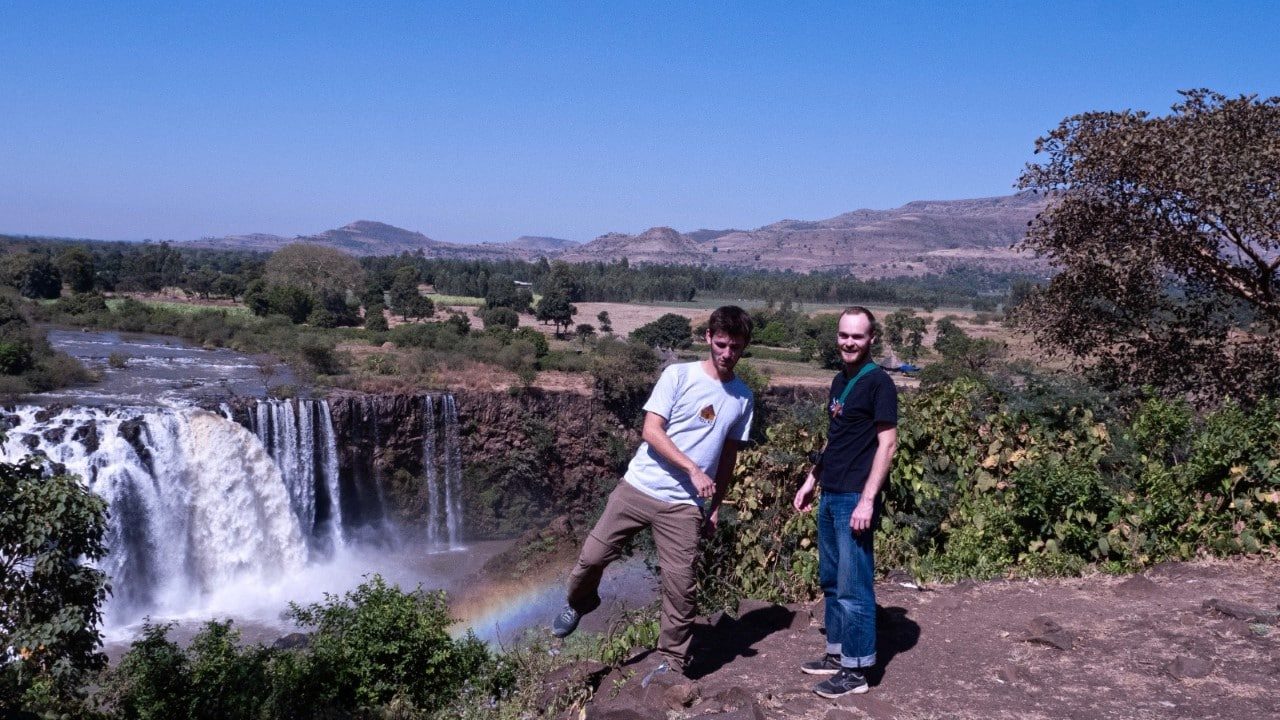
column 655, row 433
column 887, row 439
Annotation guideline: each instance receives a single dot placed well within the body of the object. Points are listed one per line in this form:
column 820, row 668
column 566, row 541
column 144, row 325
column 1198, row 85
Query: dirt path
column 1146, row 646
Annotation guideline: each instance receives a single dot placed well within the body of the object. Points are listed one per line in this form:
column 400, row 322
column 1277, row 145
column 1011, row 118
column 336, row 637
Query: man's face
column 726, row 351
column 854, row 337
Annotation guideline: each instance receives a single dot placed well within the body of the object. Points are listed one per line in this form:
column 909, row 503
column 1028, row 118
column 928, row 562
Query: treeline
column 41, row 268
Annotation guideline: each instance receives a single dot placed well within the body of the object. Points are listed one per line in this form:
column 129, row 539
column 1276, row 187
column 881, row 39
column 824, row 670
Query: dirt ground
column 1163, row 644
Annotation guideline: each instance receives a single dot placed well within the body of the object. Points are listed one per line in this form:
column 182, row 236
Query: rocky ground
column 1183, row 640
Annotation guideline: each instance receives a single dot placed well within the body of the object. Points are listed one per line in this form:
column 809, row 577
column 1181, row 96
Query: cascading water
column 195, row 501
column 209, row 515
column 299, row 436
column 444, row 496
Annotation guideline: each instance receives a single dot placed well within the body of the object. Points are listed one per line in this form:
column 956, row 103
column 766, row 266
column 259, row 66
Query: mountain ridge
column 920, row 236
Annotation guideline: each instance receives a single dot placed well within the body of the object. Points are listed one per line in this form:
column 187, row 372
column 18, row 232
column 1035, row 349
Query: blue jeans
column 846, row 572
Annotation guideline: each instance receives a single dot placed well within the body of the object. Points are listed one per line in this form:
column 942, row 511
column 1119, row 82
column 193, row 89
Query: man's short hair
column 859, row 310
column 732, row 321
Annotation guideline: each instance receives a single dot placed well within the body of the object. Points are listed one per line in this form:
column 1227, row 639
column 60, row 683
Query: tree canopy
column 670, row 331
column 315, row 268
column 1166, row 232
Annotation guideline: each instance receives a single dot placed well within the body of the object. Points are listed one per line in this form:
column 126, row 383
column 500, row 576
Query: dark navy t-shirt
column 851, row 437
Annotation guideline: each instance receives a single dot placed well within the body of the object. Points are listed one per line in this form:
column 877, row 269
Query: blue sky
column 474, row 122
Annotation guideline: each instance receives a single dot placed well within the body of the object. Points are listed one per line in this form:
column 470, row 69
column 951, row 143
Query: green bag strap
column 865, row 369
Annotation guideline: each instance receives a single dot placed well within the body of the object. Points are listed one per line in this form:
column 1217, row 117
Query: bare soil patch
column 1154, row 645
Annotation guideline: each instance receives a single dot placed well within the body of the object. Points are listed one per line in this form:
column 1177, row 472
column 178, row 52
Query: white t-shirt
column 701, row 414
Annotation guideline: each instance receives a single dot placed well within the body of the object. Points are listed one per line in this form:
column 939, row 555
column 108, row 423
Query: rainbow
column 505, row 610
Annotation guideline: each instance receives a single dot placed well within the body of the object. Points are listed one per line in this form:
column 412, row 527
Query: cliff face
column 526, row 458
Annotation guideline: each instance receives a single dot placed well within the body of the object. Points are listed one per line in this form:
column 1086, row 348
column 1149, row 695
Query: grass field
column 182, row 307
column 456, row 300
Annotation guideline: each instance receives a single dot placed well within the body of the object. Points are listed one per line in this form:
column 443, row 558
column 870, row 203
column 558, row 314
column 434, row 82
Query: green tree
column 34, row 276
column 404, row 293
column 624, row 373
column 904, row 330
column 374, row 320
column 503, row 317
column 315, row 268
column 51, row 531
column 555, row 308
column 1163, row 231
column 606, row 323
column 76, row 267
column 668, row 331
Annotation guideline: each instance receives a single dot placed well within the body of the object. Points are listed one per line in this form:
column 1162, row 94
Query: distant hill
column 922, row 236
column 540, row 244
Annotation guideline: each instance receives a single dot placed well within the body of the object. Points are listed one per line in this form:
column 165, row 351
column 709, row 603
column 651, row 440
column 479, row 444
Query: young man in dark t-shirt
column 861, row 439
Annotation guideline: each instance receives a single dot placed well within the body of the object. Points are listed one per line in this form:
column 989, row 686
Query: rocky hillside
column 922, row 236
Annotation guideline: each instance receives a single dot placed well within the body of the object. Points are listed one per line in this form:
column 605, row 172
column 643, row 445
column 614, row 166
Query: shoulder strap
column 861, row 373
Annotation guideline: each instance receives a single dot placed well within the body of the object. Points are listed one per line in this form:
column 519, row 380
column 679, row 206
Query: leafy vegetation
column 1163, row 231
column 377, row 651
column 51, row 531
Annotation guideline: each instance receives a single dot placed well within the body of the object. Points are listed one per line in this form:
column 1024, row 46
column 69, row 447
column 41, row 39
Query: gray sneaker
column 825, row 665
column 566, row 622
column 847, row 681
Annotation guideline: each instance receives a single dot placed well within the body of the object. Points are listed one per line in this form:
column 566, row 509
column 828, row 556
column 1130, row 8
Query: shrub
column 503, row 317
column 378, row 643
column 670, row 331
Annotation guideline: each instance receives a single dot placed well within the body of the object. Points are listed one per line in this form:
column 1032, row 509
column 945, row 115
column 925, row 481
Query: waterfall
column 195, row 501
column 235, row 504
column 435, row 516
column 299, row 435
column 452, row 471
column 444, row 496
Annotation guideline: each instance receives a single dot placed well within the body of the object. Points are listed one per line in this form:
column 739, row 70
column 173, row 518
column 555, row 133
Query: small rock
column 1046, row 631
column 751, row 711
column 1185, row 666
column 1138, row 586
column 904, row 579
column 292, row 641
column 681, row 695
column 615, row 713
column 1016, row 675
column 1239, row 610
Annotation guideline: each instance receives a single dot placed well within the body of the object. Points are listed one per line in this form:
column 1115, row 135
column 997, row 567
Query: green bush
column 378, row 643
column 374, row 651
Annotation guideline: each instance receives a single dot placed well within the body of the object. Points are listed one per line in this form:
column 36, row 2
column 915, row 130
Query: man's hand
column 803, row 501
column 712, row 522
column 860, row 520
column 703, row 483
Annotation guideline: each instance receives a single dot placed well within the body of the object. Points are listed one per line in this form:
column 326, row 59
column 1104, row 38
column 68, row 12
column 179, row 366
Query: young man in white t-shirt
column 695, row 419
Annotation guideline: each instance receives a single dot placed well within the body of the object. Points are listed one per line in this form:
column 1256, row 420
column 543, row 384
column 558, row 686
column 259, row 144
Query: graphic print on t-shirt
column 708, row 414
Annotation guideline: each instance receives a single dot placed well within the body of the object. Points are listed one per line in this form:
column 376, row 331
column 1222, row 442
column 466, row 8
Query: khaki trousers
column 676, row 528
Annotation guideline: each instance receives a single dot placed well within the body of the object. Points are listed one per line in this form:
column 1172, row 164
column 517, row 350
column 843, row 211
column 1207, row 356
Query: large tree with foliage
column 555, row 308
column 51, row 529
column 315, row 268
column 670, row 331
column 1166, row 234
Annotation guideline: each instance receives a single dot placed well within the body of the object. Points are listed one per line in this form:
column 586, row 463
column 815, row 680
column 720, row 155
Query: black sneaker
column 848, row 681
column 566, row 622
column 825, row 665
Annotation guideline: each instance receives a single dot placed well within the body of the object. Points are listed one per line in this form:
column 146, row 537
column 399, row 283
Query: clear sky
column 472, row 121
